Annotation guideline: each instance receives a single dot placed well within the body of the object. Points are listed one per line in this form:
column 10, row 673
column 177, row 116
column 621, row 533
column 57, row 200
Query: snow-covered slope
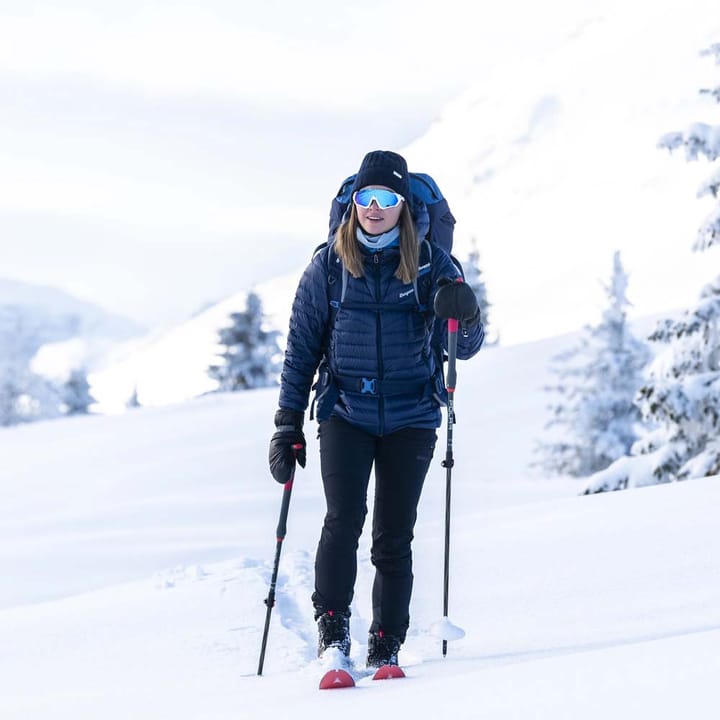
column 172, row 366
column 552, row 166
column 136, row 552
column 148, row 473
column 584, row 607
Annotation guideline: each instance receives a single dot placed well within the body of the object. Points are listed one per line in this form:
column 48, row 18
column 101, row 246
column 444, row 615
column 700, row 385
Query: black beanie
column 384, row 167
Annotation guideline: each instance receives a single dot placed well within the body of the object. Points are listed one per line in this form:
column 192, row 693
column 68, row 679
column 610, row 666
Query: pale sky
column 158, row 156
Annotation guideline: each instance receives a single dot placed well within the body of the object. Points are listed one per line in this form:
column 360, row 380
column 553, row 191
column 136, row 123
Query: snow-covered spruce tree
column 702, row 140
column 10, row 398
column 473, row 277
column 75, row 394
column 251, row 358
column 134, row 400
column 593, row 418
column 680, row 402
column 24, row 395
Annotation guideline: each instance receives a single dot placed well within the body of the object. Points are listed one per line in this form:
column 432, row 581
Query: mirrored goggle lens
column 384, row 198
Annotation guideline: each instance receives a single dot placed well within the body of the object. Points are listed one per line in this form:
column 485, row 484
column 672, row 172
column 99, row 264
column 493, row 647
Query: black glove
column 282, row 455
column 456, row 300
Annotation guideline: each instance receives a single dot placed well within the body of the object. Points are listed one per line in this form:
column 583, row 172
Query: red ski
column 388, row 672
column 336, row 679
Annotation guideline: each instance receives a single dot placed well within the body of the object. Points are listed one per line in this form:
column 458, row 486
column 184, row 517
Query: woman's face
column 374, row 220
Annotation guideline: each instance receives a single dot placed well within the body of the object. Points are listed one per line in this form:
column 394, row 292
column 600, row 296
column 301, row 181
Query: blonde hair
column 347, row 246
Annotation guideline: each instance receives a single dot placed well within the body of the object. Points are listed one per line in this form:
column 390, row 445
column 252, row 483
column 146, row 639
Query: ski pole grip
column 297, row 447
column 452, row 354
column 285, row 506
column 281, row 530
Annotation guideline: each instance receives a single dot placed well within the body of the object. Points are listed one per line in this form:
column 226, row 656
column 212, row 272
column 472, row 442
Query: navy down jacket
column 377, row 369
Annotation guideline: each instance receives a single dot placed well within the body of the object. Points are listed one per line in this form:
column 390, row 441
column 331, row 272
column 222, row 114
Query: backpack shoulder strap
column 423, row 282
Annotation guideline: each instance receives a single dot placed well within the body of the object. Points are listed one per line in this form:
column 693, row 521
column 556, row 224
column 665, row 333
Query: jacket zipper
column 378, row 339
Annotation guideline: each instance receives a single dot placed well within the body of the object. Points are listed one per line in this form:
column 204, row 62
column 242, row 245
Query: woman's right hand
column 287, row 445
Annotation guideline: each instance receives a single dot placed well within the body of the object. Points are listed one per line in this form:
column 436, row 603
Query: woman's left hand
column 456, row 299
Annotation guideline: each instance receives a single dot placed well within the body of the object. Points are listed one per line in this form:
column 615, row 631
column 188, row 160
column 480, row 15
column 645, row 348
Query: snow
column 137, row 550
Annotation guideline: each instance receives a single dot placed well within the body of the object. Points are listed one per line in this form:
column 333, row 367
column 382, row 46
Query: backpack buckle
column 368, row 386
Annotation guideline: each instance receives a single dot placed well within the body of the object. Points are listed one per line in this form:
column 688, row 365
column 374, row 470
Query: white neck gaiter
column 378, row 242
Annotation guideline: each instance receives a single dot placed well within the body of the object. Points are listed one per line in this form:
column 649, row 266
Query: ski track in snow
column 293, row 601
column 293, row 610
column 293, row 607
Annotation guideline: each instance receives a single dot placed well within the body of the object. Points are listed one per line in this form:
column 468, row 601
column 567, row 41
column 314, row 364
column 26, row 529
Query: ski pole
column 280, row 534
column 449, row 460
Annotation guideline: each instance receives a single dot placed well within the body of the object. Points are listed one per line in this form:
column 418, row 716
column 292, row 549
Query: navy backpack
column 427, row 204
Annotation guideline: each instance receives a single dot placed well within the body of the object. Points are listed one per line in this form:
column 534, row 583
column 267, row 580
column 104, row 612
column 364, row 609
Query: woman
column 377, row 397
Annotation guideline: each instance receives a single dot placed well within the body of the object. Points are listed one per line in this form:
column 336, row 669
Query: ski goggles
column 385, row 199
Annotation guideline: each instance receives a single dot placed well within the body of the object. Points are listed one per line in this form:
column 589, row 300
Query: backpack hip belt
column 374, row 386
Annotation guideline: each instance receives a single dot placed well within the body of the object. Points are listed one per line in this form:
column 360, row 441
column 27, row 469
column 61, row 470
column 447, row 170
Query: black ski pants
column 401, row 460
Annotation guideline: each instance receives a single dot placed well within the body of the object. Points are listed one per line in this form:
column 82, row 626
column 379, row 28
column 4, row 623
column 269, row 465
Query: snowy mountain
column 553, row 165
column 64, row 331
column 137, row 550
column 63, row 313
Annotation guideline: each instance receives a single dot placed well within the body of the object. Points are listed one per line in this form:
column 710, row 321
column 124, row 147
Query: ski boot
column 334, row 632
column 382, row 649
